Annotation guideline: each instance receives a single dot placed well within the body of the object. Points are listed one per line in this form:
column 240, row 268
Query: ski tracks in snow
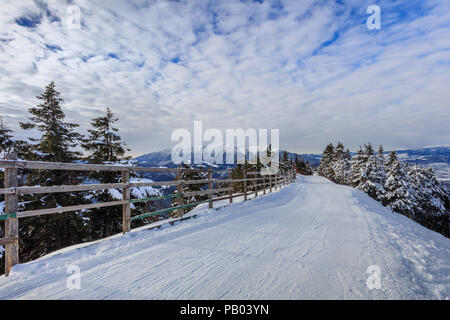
column 311, row 240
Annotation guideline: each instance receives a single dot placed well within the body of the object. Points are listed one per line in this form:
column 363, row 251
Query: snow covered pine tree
column 43, row 234
column 325, row 168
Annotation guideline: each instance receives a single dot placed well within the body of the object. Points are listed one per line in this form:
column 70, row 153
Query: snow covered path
column 311, row 240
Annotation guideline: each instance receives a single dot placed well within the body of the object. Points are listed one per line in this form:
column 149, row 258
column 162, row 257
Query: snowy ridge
column 313, row 239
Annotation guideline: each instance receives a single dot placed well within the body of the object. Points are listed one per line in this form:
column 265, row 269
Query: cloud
column 310, row 68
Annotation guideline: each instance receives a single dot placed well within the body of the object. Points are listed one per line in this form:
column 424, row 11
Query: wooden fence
column 255, row 182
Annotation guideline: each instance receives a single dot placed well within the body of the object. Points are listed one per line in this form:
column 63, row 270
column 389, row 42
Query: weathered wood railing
column 11, row 191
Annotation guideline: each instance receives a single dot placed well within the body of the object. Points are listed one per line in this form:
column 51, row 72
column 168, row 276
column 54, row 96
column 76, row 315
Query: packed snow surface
column 312, row 239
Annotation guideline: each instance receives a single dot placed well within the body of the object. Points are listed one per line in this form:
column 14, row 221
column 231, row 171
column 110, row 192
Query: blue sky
column 309, row 68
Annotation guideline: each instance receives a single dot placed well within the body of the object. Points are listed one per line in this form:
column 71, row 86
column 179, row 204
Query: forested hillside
column 409, row 189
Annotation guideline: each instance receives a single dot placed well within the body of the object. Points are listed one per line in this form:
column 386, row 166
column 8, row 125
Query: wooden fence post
column 270, row 183
column 264, row 185
column 11, row 224
column 245, row 184
column 231, row 191
column 126, row 211
column 210, row 186
column 179, row 191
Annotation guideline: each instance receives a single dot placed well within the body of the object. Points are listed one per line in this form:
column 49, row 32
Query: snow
column 312, row 239
column 136, row 192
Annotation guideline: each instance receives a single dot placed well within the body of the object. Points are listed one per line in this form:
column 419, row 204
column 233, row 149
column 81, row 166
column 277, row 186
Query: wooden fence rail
column 12, row 191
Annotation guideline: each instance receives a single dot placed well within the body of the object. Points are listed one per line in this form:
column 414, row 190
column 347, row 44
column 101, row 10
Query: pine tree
column 340, row 164
column 368, row 149
column 380, row 151
column 348, row 155
column 309, row 168
column 58, row 137
column 373, row 178
column 356, row 174
column 432, row 198
column 302, row 166
column 285, row 165
column 6, row 139
column 103, row 143
column 237, row 173
column 44, row 234
column 372, row 174
column 339, row 151
column 104, row 146
column 8, row 144
column 297, row 163
column 325, row 167
column 399, row 194
column 392, row 158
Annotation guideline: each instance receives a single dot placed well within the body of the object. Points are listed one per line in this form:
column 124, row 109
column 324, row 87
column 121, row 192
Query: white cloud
column 310, row 68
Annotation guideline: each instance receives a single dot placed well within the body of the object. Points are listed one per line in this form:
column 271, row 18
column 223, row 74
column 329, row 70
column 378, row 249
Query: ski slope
column 312, row 239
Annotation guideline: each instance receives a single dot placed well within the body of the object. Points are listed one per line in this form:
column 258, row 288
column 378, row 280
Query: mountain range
column 436, row 157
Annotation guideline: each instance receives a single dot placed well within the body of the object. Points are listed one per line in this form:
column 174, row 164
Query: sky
column 311, row 69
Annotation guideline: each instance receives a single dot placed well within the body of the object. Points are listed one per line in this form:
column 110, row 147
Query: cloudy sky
column 310, row 68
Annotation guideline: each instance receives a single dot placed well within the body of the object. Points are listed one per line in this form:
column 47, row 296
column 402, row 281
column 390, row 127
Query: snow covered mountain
column 312, row 239
column 156, row 159
column 163, row 159
column 436, row 157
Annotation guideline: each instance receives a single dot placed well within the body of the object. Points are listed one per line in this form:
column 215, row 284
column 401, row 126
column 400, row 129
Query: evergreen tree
column 325, row 167
column 368, row 149
column 392, row 158
column 103, row 143
column 58, row 137
column 6, row 139
column 432, row 197
column 309, row 168
column 105, row 146
column 339, row 151
column 348, row 155
column 44, row 234
column 340, row 164
column 380, row 152
column 8, row 144
column 408, row 189
column 399, row 194
column 373, row 177
column 302, row 166
column 237, row 173
column 284, row 163
column 367, row 173
column 356, row 174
